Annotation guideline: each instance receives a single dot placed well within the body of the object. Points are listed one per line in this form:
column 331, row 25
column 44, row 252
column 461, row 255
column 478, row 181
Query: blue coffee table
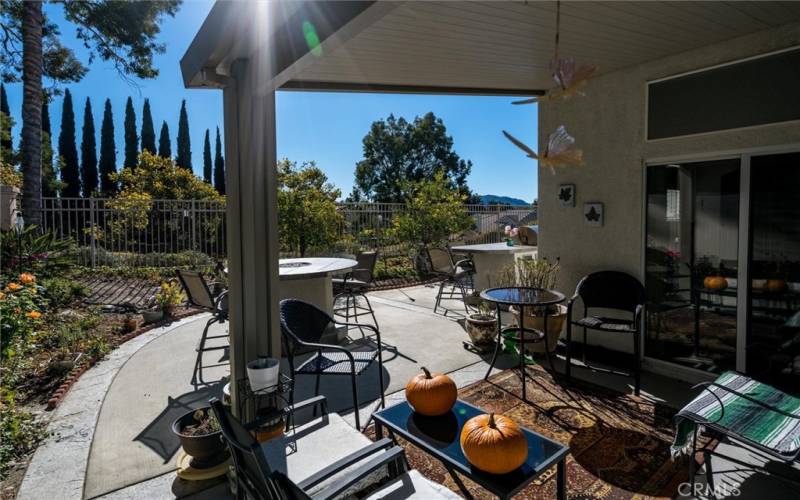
column 439, row 437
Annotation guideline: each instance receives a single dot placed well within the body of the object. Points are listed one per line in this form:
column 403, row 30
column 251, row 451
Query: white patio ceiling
column 508, row 45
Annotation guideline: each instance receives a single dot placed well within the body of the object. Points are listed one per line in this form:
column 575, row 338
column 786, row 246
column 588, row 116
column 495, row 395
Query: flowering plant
column 20, row 310
column 169, row 295
column 511, row 232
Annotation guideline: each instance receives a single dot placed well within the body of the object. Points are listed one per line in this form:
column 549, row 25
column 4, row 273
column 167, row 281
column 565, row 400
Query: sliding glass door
column 773, row 330
column 691, row 263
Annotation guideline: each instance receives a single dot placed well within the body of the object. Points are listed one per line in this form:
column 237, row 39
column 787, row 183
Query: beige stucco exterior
column 609, row 126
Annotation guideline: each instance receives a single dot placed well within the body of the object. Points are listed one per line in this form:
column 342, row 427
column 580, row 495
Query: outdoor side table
column 440, row 438
column 522, row 297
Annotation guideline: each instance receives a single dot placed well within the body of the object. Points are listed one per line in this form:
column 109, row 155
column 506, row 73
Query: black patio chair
column 612, row 290
column 256, row 479
column 352, row 286
column 199, row 295
column 302, row 326
column 457, row 275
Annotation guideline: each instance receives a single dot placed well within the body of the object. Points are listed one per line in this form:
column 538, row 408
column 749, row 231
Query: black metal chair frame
column 293, row 342
column 351, row 292
column 255, row 478
column 722, row 433
column 457, row 284
column 608, row 299
column 219, row 314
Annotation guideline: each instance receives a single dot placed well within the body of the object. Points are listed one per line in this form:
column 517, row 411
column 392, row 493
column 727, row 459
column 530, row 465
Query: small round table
column 522, row 297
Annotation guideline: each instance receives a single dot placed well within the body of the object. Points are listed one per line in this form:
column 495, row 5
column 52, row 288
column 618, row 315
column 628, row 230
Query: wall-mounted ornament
column 566, row 195
column 593, row 214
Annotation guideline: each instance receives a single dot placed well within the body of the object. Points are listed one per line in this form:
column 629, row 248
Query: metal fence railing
column 162, row 233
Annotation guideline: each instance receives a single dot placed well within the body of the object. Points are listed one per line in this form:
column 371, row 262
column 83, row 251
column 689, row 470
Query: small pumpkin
column 715, row 283
column 431, row 394
column 494, row 443
column 775, row 286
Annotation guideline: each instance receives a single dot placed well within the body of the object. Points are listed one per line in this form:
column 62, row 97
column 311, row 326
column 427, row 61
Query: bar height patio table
column 522, row 297
column 491, row 258
column 311, row 279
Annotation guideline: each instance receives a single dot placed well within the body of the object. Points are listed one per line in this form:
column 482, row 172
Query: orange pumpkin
column 431, row 394
column 775, row 286
column 494, row 443
column 715, row 283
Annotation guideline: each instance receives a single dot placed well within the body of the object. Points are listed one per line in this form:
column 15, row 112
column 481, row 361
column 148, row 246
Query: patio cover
column 250, row 50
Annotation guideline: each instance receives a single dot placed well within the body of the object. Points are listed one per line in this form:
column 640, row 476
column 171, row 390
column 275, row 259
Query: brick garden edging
column 394, row 283
column 74, row 374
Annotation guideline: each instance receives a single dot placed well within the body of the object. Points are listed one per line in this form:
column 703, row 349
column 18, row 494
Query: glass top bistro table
column 522, row 298
column 440, row 438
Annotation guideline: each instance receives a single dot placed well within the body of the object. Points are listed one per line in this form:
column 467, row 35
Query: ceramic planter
column 555, row 323
column 152, row 316
column 208, row 450
column 482, row 330
column 263, row 373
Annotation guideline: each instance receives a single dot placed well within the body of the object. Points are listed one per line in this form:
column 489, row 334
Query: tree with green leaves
column 219, row 166
column 398, row 153
column 50, row 182
column 207, row 168
column 88, row 152
column 307, row 214
column 148, row 131
column 434, row 212
column 131, row 139
column 6, row 128
column 164, row 144
column 70, row 174
column 184, row 157
column 121, row 32
column 160, row 178
column 108, row 152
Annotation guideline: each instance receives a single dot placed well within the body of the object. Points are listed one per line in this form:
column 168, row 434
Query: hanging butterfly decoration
column 558, row 152
column 569, row 81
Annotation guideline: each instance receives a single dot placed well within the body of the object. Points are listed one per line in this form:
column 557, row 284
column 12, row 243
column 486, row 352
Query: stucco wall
column 609, row 127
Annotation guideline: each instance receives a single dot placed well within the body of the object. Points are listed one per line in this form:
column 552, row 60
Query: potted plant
column 536, row 274
column 152, row 315
column 201, row 438
column 169, row 296
column 482, row 327
column 511, row 233
column 263, row 373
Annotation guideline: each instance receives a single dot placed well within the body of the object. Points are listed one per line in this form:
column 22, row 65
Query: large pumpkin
column 715, row 283
column 494, row 443
column 431, row 394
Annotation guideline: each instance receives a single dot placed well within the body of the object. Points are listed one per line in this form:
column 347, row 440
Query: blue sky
column 325, row 127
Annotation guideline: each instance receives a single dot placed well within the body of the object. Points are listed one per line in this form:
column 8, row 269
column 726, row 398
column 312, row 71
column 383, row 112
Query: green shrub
column 21, row 306
column 19, row 433
column 63, row 291
column 395, row 267
column 34, row 251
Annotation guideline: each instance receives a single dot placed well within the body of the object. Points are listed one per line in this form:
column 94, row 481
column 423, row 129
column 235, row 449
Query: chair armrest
column 362, row 325
column 322, row 347
column 219, row 298
column 570, row 303
column 320, row 401
column 464, row 263
column 343, row 463
column 394, row 455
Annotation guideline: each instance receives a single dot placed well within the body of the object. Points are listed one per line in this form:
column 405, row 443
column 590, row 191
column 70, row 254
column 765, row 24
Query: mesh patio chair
column 613, row 290
column 352, row 286
column 302, row 326
column 457, row 276
column 200, row 296
column 256, row 479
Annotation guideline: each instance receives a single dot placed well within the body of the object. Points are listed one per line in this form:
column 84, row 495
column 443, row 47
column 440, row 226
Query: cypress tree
column 207, row 159
column 219, row 166
column 88, row 152
column 48, row 172
column 131, row 139
column 184, row 157
column 7, row 143
column 148, row 131
column 108, row 152
column 164, row 146
column 67, row 149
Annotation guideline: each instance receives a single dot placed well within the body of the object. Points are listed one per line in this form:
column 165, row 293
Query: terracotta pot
column 482, row 330
column 555, row 323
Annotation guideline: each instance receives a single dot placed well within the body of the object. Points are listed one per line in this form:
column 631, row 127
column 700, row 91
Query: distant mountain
column 493, row 199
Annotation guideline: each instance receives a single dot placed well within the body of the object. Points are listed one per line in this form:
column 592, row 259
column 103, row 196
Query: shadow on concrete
column 158, row 435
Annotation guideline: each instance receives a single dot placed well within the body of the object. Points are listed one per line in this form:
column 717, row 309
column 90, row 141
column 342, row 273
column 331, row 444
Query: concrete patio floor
column 129, row 448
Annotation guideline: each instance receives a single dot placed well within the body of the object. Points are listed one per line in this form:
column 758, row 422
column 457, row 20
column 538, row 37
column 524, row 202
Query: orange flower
column 34, row 314
column 27, row 278
column 13, row 287
column 2, row 295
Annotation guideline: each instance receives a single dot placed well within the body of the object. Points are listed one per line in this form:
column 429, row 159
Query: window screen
column 753, row 92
